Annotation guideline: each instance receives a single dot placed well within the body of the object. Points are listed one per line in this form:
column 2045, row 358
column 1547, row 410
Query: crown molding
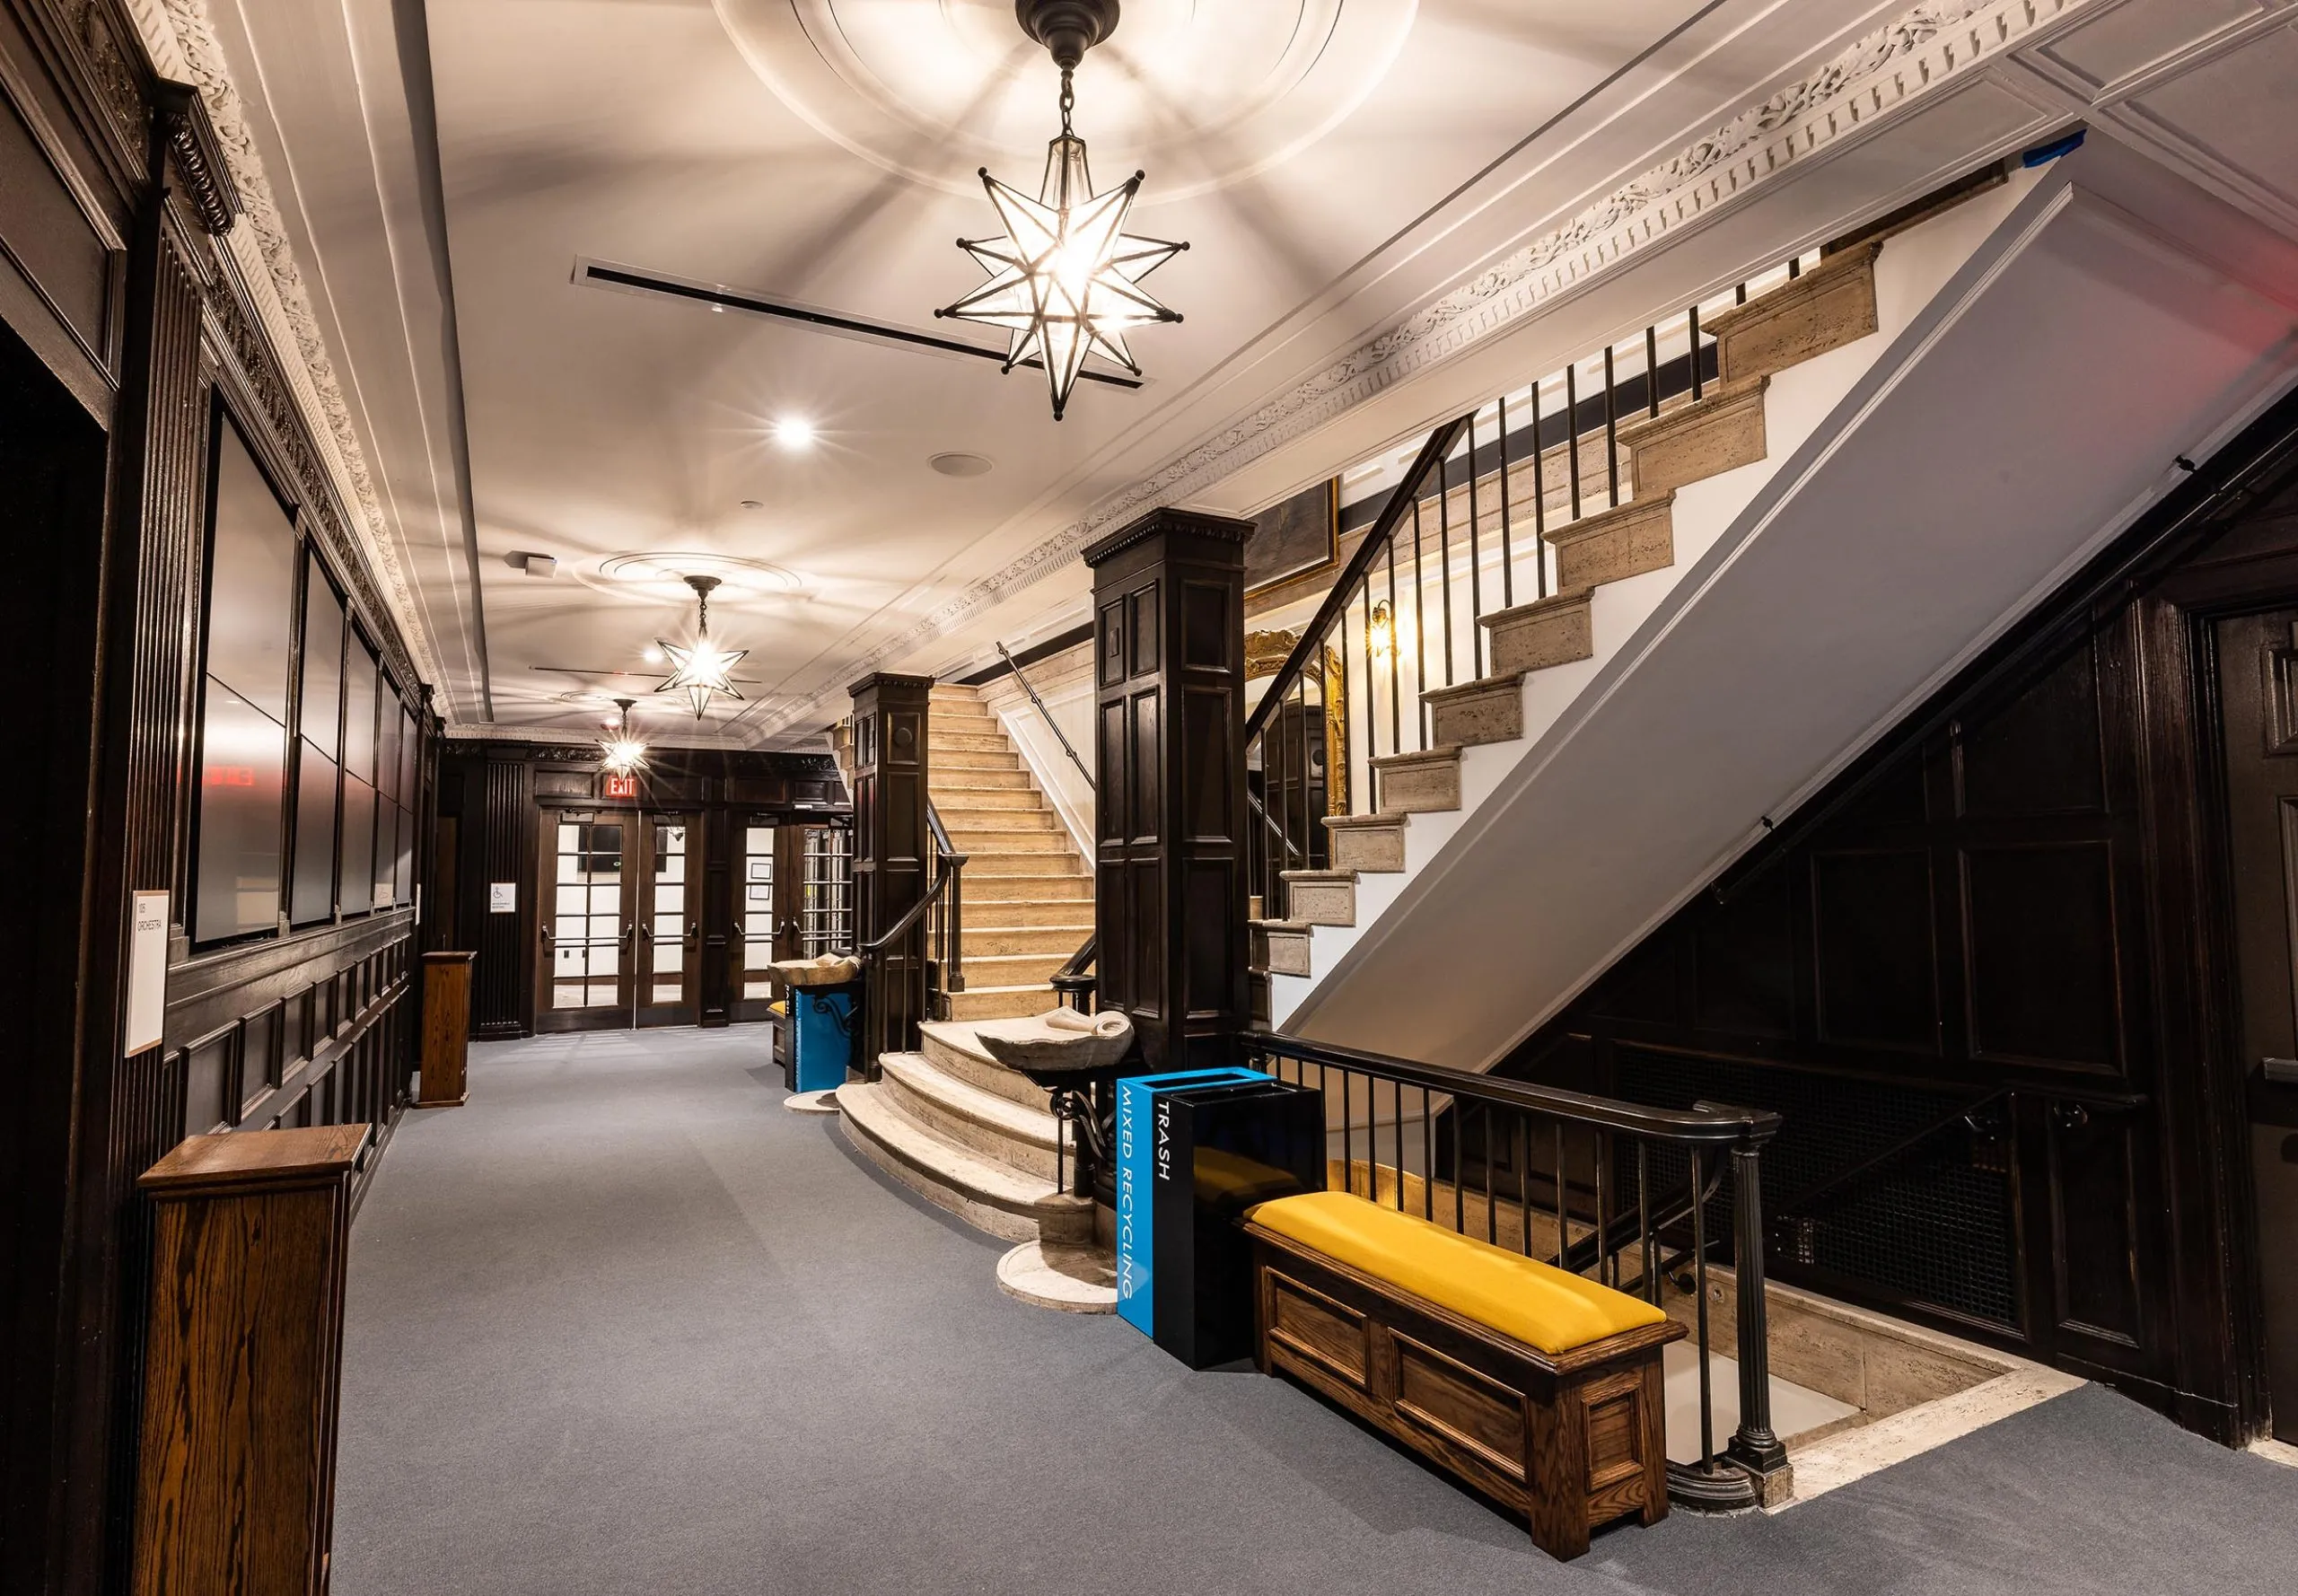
column 180, row 40
column 1915, row 57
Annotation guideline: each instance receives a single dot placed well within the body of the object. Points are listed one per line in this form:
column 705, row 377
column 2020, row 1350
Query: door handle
column 2280, row 1072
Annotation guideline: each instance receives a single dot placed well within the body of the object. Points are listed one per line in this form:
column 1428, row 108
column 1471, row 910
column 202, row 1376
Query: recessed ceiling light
column 651, row 655
column 793, row 431
column 960, row 465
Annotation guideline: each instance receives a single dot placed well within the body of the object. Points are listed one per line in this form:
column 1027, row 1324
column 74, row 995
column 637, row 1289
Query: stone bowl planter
column 1055, row 1059
column 806, row 972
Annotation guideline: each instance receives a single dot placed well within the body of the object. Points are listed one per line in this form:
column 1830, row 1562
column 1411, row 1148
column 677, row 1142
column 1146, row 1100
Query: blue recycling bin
column 823, row 1024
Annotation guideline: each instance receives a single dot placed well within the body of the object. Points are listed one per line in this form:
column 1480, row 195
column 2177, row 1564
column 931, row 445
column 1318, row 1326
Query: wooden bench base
column 1572, row 1441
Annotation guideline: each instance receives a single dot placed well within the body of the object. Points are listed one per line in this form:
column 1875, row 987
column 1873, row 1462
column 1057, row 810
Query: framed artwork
column 1295, row 538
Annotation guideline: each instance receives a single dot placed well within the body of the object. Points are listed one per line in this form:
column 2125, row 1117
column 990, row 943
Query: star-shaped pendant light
column 702, row 667
column 1065, row 282
column 620, row 753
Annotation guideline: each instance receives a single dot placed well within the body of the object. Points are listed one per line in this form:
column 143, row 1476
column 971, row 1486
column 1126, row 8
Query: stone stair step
column 1557, row 630
column 1016, row 794
column 955, row 1045
column 1011, row 839
column 988, row 741
column 989, row 1123
column 1000, row 1002
column 988, row 1195
column 1363, row 843
column 1026, row 909
column 992, row 822
column 1418, row 783
column 1613, row 545
column 1016, row 969
column 1279, row 947
column 1045, row 883
column 948, row 760
column 1824, row 308
column 986, row 863
column 1321, row 897
column 1720, row 432
column 1062, row 936
column 1490, row 709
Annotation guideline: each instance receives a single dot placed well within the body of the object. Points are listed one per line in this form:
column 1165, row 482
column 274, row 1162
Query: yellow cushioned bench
column 1534, row 1303
column 1538, row 1387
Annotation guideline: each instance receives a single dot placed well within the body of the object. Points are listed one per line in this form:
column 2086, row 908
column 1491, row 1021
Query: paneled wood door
column 2257, row 663
column 586, row 910
column 668, row 923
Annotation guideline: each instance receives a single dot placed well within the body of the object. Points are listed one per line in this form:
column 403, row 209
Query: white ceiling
column 1335, row 164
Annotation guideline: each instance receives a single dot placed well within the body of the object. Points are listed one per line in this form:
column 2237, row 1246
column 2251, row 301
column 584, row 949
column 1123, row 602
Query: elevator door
column 2257, row 664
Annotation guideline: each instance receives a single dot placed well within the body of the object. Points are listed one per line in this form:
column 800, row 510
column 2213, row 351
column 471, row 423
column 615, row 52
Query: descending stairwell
column 948, row 1120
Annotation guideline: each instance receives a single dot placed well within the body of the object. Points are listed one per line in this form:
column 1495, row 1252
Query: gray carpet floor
column 624, row 1325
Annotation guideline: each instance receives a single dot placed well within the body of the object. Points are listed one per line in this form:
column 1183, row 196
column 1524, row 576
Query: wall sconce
column 1383, row 634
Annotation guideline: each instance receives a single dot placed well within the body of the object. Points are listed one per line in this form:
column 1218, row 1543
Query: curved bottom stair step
column 991, row 1196
column 989, row 1123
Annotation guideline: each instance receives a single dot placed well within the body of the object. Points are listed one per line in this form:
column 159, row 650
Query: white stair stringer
column 1921, row 488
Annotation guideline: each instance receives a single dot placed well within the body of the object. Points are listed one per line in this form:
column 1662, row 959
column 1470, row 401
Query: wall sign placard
column 147, row 971
column 502, row 898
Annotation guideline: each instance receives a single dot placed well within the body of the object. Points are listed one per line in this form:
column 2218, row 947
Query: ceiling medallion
column 1064, row 280
column 620, row 753
column 701, row 668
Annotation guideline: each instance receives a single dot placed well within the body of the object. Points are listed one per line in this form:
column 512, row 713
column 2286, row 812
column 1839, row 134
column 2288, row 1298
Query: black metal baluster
column 1419, row 637
column 1571, row 431
column 1427, row 1156
column 1521, row 1152
column 1652, row 370
column 1491, row 1234
column 1603, row 1209
column 1372, row 722
column 1476, row 563
column 1692, row 324
column 1460, row 1189
column 1507, row 560
column 1612, row 429
column 1699, row 1279
column 1649, row 1262
column 1396, row 622
column 1540, row 500
column 1300, row 856
column 1562, row 1220
column 1444, row 557
column 1347, row 1145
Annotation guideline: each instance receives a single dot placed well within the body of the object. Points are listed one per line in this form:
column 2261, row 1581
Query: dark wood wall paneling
column 1983, row 977
column 891, row 845
column 1169, row 860
column 495, row 795
column 121, row 325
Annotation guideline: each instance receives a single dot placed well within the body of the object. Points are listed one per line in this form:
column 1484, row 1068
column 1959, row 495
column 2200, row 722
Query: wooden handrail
column 1392, row 514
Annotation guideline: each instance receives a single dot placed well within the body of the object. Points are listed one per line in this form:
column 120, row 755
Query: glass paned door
column 669, row 931
column 586, row 923
column 826, row 911
column 758, row 929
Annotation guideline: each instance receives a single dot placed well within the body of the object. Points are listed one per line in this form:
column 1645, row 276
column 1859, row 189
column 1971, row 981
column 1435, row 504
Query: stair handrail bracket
column 1615, row 1190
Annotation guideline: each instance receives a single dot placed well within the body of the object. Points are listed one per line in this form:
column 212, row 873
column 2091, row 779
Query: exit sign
column 622, row 787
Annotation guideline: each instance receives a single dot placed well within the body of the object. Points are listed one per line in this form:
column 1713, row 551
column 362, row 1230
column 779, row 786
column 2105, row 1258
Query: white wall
column 1064, row 681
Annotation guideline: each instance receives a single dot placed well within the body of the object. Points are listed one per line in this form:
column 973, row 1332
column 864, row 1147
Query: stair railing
column 1073, row 983
column 1463, row 536
column 1020, row 676
column 934, row 928
column 1546, row 1172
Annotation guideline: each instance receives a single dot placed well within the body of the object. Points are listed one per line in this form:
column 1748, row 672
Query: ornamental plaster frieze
column 182, row 44
column 1912, row 56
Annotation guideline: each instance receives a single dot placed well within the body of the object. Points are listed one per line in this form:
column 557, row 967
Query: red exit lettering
column 622, row 787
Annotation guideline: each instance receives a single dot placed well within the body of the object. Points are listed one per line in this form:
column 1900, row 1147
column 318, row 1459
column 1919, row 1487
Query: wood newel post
column 1168, row 856
column 1753, row 1443
column 892, row 854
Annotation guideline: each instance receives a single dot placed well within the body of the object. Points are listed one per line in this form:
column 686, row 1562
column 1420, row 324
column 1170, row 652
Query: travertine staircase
column 1028, row 901
column 948, row 1120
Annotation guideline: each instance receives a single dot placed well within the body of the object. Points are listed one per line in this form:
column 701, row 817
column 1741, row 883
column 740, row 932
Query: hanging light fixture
column 621, row 754
column 1064, row 280
column 700, row 668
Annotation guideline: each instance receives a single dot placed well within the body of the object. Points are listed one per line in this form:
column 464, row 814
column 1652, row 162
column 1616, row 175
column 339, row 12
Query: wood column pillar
column 892, row 851
column 1169, row 865
column 235, row 1485
column 498, row 846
